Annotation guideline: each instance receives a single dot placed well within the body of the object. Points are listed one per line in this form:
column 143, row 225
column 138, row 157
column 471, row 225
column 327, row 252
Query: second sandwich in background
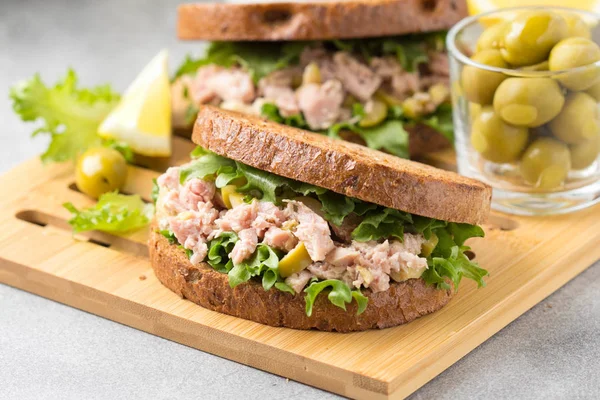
column 371, row 72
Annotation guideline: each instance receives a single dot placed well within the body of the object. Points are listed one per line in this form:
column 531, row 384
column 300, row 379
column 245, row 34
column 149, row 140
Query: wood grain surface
column 109, row 275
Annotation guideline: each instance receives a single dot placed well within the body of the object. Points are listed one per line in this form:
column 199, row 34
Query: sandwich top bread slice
column 315, row 20
column 372, row 72
column 291, row 228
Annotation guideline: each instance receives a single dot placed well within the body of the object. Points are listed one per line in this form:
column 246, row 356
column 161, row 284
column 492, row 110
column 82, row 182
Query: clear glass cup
column 538, row 162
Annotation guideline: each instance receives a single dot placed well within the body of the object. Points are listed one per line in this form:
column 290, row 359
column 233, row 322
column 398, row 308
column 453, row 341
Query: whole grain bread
column 343, row 167
column 422, row 138
column 318, row 20
column 402, row 303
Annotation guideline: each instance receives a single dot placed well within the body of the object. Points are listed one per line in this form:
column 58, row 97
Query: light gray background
column 48, row 350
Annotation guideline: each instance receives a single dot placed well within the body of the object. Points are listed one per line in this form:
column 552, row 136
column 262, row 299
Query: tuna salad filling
column 366, row 90
column 299, row 238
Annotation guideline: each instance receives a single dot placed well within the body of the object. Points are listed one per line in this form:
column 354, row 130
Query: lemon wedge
column 143, row 117
column 480, row 6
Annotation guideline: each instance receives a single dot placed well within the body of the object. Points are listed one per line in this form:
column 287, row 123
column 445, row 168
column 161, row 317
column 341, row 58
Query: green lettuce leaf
column 203, row 166
column 441, row 121
column 258, row 58
column 113, row 213
column 263, row 262
column 462, row 232
column 170, row 236
column 339, row 295
column 382, row 223
column 336, row 206
column 69, row 114
column 410, row 50
column 121, row 147
column 389, row 136
column 270, row 111
column 191, row 112
column 284, row 287
column 218, row 251
column 155, row 191
column 448, row 259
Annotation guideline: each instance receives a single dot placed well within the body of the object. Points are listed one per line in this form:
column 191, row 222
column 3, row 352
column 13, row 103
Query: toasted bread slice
column 422, row 139
column 316, row 20
column 402, row 303
column 343, row 167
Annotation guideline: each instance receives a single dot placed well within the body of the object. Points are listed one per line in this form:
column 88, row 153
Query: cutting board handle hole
column 99, row 243
column 32, row 217
column 98, row 238
column 502, row 223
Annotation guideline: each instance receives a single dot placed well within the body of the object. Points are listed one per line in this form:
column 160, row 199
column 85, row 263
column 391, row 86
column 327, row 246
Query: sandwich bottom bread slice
column 290, row 228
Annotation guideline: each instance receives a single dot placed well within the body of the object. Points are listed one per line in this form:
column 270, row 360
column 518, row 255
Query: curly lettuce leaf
column 114, row 212
column 462, row 232
column 339, row 295
column 262, row 58
column 155, row 191
column 205, row 164
column 382, row 223
column 263, row 262
column 258, row 58
column 389, row 136
column 448, row 260
column 441, row 121
column 121, row 147
column 336, row 206
column 409, row 53
column 218, row 251
column 69, row 114
column 410, row 50
column 284, row 287
column 271, row 111
column 170, row 236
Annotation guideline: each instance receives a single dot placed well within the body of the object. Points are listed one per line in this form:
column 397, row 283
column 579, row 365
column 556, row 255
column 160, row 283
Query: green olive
column 430, row 245
column 100, row 170
column 543, row 66
column 440, row 93
column 585, row 153
column 573, row 53
column 496, row 140
column 577, row 26
column 578, row 121
column 474, row 111
column 387, row 98
column 311, row 74
column 375, row 113
column 528, row 102
column 478, row 84
column 349, row 101
column 531, row 36
column 492, row 37
column 546, row 163
column 594, row 91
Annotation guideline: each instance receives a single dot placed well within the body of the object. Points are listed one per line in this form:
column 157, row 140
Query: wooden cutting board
column 108, row 275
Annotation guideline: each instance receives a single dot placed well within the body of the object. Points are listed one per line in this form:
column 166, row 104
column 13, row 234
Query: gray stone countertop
column 48, row 350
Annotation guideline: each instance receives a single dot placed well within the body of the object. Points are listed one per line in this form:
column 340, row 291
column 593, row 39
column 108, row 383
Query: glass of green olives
column 526, row 101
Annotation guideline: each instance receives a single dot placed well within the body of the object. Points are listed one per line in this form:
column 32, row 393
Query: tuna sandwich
column 291, row 228
column 371, row 72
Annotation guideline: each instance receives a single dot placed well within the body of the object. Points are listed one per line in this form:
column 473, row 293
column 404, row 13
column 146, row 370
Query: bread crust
column 316, row 20
column 343, row 167
column 422, row 139
column 402, row 303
